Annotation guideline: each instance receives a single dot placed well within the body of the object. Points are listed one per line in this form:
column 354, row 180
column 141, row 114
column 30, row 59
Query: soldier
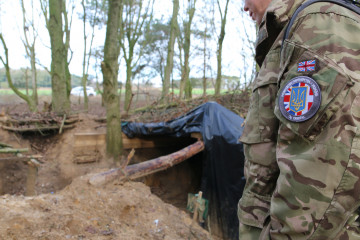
column 302, row 132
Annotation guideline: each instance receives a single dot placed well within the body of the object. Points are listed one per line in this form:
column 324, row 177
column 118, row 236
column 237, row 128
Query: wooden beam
column 149, row 167
column 91, row 140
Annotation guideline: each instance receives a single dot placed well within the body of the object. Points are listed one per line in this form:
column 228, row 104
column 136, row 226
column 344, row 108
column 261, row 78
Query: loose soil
column 65, row 206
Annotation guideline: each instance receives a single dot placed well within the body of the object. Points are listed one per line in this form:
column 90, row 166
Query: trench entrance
column 173, row 184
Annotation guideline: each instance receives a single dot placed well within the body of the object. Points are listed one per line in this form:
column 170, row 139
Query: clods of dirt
column 80, row 211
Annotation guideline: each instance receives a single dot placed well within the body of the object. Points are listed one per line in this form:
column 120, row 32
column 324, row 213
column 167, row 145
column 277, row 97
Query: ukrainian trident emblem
column 300, row 99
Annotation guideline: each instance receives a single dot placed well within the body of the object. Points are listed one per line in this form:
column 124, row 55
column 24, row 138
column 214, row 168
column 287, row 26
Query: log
column 13, row 150
column 4, row 145
column 21, row 158
column 35, row 129
column 146, row 168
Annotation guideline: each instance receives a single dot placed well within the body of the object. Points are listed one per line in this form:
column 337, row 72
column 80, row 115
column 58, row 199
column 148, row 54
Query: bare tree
column 184, row 45
column 5, row 61
column 170, row 52
column 90, row 15
column 247, row 30
column 110, row 68
column 223, row 14
column 30, row 36
column 135, row 20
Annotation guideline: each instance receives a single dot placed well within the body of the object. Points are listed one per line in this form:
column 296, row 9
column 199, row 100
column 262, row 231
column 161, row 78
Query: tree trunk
column 33, row 76
column 110, row 69
column 204, row 69
column 128, row 85
column 185, row 85
column 60, row 99
column 27, row 82
column 219, row 67
column 84, row 77
column 170, row 53
column 220, row 45
column 66, row 51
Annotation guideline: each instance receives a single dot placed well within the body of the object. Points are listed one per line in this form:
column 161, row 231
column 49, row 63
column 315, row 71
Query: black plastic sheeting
column 222, row 180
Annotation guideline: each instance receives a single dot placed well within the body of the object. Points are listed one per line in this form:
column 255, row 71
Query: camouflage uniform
column 303, row 178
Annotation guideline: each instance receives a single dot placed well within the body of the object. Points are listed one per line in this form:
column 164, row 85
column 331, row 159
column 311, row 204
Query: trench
column 173, row 184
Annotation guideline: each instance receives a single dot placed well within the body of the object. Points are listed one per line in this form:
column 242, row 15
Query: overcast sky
column 11, row 27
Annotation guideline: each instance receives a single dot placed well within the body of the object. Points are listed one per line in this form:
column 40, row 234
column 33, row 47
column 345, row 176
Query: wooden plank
column 90, row 140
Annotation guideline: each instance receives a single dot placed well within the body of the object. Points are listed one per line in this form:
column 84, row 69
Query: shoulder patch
column 300, row 99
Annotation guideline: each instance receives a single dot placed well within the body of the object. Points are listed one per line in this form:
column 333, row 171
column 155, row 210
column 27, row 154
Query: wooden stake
column 62, row 124
column 129, row 157
column 197, row 203
column 31, row 180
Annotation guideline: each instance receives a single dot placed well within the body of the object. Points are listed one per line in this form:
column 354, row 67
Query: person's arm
column 259, row 139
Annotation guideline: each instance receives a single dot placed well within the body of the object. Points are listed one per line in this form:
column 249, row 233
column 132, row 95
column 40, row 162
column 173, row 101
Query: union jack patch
column 306, row 66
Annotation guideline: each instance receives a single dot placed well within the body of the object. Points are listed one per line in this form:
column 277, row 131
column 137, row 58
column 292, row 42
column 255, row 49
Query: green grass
column 42, row 91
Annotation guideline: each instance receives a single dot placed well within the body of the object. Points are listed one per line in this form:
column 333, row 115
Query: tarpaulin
column 222, row 180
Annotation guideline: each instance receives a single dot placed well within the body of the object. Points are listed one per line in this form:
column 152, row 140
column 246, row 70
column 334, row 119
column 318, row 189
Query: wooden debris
column 62, row 124
column 87, row 157
column 13, row 150
column 36, row 129
column 4, row 145
column 145, row 168
column 38, row 122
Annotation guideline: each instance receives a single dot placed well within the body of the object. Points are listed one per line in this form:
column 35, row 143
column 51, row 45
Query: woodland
column 138, row 44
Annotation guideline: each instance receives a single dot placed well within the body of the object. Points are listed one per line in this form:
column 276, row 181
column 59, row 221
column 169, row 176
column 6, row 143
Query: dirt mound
column 67, row 207
column 80, row 211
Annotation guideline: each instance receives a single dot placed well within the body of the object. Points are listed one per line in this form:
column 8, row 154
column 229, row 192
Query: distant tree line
column 21, row 78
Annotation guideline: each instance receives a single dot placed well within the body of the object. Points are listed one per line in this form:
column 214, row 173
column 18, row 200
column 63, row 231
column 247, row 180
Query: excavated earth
column 66, row 206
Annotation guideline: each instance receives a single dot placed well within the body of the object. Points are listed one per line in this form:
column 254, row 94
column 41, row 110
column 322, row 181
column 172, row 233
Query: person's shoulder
column 331, row 8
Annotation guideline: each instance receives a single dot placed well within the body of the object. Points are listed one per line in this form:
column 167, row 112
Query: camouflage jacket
column 303, row 175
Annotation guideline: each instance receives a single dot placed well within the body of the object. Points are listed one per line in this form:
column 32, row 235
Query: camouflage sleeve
column 259, row 138
column 317, row 193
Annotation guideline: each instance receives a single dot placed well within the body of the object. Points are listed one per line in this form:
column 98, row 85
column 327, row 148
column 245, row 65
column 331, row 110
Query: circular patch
column 300, row 99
